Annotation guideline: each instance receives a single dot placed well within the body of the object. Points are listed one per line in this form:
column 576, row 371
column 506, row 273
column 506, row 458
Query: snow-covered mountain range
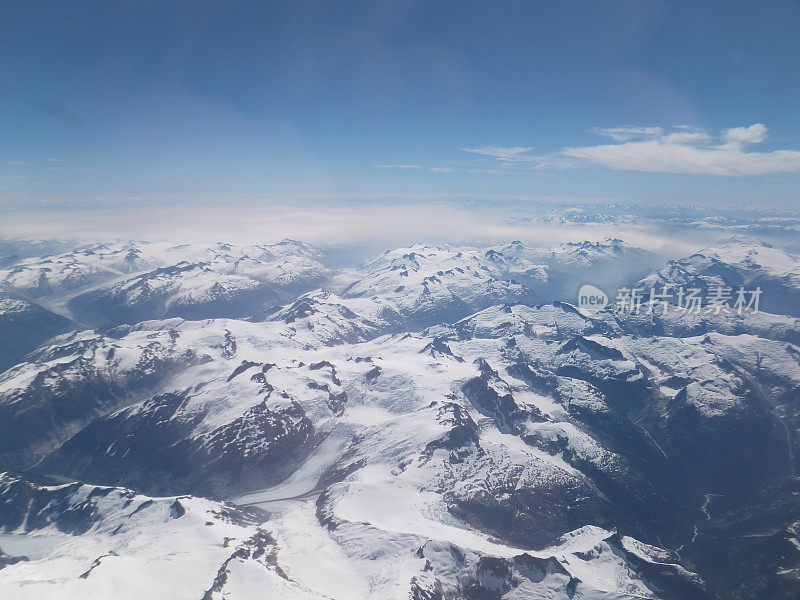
column 220, row 421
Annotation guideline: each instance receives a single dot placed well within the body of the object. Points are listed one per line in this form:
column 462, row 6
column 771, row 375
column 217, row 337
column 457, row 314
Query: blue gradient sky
column 384, row 97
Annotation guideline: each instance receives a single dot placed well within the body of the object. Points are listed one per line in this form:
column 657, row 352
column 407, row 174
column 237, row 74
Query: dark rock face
column 52, row 404
column 23, row 327
column 439, row 347
column 35, row 507
column 534, row 515
column 67, row 395
column 727, row 452
column 462, row 435
column 483, row 392
column 622, row 381
column 152, row 447
column 259, row 448
column 452, row 572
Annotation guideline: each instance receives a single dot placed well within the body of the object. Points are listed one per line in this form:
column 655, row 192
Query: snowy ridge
column 101, row 542
column 736, row 265
column 109, row 284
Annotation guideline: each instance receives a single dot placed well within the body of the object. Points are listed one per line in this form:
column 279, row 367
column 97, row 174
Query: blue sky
column 693, row 102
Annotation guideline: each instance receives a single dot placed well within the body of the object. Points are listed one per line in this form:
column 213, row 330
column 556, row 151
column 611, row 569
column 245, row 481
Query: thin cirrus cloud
column 504, row 153
column 687, row 150
column 413, row 166
column 405, row 166
column 623, row 134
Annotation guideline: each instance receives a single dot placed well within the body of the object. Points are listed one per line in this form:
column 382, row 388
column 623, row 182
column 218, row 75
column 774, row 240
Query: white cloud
column 504, row 153
column 622, row 134
column 442, row 170
column 690, row 151
column 746, row 135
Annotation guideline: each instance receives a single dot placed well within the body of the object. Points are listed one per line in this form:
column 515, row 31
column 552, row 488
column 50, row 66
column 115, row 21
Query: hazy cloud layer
column 374, row 224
